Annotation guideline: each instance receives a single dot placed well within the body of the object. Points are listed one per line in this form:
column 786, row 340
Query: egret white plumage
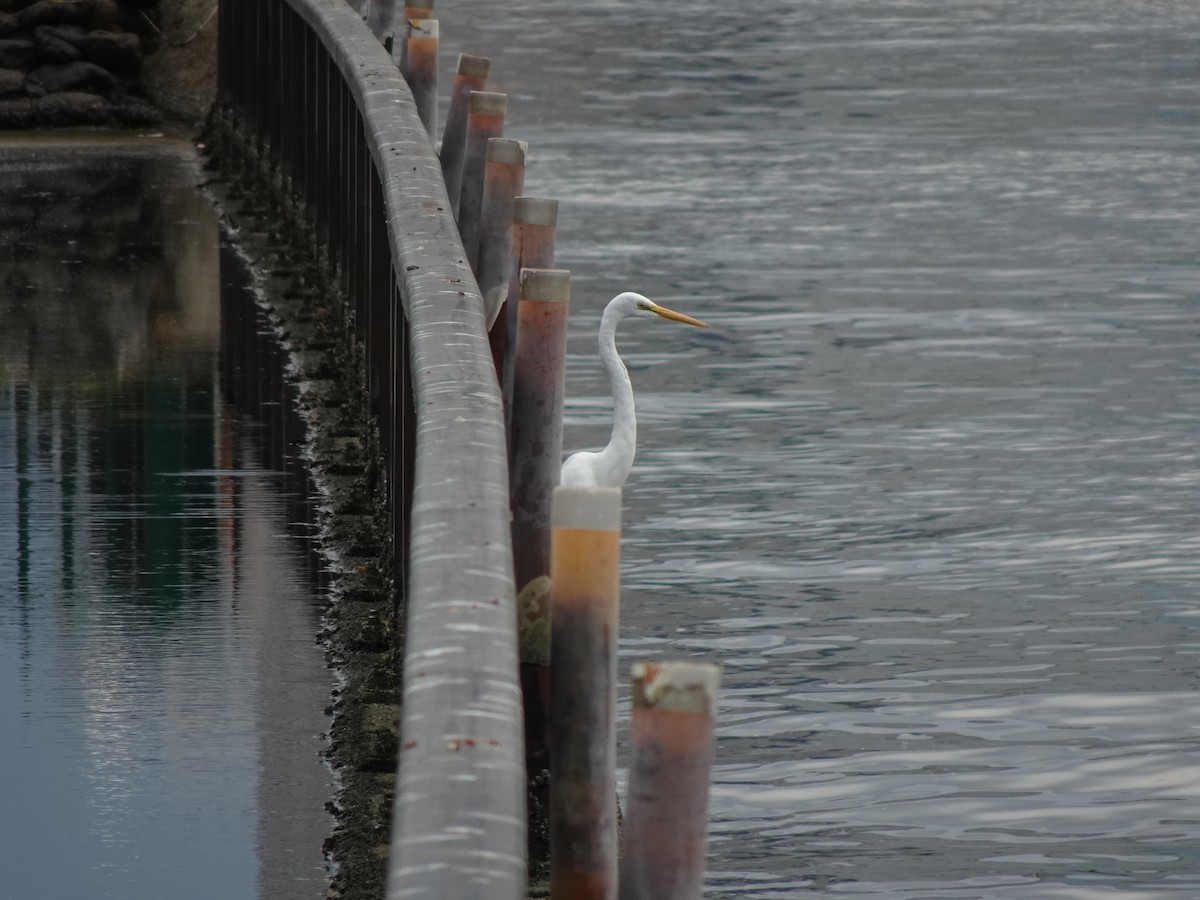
column 610, row 467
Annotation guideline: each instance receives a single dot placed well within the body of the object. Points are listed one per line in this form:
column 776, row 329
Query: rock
column 8, row 24
column 12, row 81
column 75, row 76
column 101, row 13
column 17, row 52
column 16, row 113
column 117, row 51
column 58, row 43
column 71, row 108
column 52, row 12
column 136, row 112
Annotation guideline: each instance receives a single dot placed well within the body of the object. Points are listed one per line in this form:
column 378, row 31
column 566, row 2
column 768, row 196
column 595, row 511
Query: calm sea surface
column 162, row 693
column 929, row 490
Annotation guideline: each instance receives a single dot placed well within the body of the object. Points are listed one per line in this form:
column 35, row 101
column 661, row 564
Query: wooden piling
column 666, row 810
column 420, row 68
column 536, row 440
column 503, row 178
column 471, row 76
column 485, row 120
column 585, row 601
column 534, row 465
column 533, row 226
column 399, row 47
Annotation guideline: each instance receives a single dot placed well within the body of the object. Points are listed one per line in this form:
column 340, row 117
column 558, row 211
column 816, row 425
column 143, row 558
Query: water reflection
column 928, row 489
column 162, row 685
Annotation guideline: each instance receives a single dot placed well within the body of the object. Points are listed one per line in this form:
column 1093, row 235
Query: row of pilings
column 561, row 557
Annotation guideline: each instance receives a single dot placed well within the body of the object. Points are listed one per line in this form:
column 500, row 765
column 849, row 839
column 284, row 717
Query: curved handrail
column 459, row 823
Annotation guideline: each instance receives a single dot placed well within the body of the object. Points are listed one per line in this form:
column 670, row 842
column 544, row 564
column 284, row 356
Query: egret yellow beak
column 676, row 316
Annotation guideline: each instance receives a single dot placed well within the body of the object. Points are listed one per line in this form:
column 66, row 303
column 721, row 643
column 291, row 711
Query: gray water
column 162, row 693
column 928, row 490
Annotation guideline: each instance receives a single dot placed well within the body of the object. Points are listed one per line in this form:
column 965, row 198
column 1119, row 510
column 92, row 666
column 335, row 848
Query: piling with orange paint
column 666, row 810
column 485, row 120
column 420, row 68
column 536, row 446
column 471, row 76
column 533, row 225
column 584, row 610
column 399, row 46
column 503, row 179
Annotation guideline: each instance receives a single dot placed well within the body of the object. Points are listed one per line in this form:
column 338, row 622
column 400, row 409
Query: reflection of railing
column 322, row 111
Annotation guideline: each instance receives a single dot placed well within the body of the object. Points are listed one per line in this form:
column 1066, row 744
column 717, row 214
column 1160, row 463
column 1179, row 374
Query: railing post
column 472, row 75
column 585, row 600
column 485, row 120
column 666, row 809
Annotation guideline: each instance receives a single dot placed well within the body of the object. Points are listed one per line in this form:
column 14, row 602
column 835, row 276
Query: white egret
column 610, row 467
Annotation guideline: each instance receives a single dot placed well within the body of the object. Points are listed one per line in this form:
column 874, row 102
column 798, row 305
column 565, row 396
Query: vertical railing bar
column 362, row 192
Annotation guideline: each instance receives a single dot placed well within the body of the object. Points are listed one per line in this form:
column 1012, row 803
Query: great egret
column 610, row 467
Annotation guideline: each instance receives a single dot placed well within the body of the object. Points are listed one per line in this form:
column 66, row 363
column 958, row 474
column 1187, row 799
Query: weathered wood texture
column 320, row 100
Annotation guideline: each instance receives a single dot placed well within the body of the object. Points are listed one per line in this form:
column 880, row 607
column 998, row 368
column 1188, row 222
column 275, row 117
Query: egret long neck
column 616, row 459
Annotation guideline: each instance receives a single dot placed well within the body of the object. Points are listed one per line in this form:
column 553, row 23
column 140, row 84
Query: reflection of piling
column 471, row 76
column 666, row 810
column 420, row 68
column 485, row 120
column 585, row 562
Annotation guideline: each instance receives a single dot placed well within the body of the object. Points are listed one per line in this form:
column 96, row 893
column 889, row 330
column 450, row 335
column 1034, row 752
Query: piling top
column 535, row 211
column 487, row 103
column 678, row 686
column 584, row 508
column 419, row 29
column 474, row 66
column 548, row 286
column 506, row 150
column 415, row 9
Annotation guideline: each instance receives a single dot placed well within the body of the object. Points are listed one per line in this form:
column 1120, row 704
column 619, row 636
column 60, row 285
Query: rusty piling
column 666, row 811
column 485, row 120
column 584, row 602
column 399, row 46
column 420, row 68
column 504, row 176
column 471, row 76
column 533, row 225
column 536, row 440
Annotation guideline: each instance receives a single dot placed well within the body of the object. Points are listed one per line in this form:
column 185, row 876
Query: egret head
column 631, row 304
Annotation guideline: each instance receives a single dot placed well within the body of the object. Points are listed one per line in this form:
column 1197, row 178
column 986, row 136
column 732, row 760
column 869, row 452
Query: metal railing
column 322, row 111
